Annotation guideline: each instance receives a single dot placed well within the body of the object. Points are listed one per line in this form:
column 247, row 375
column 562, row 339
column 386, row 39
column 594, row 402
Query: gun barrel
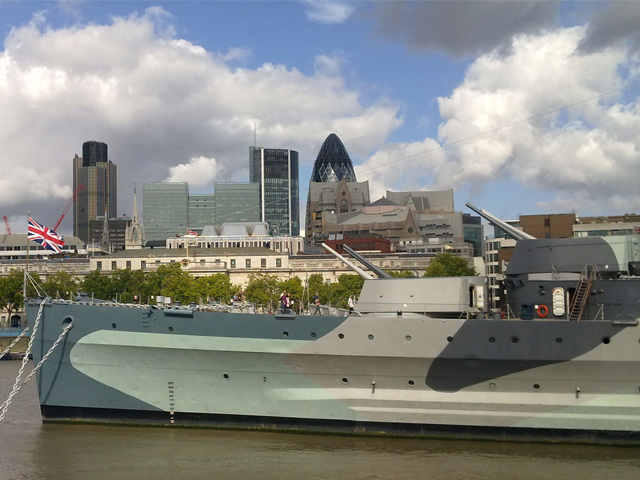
column 508, row 229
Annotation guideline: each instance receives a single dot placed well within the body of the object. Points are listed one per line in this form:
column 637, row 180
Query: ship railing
column 330, row 311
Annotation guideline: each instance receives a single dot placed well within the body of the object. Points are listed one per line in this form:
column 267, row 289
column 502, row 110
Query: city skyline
column 520, row 107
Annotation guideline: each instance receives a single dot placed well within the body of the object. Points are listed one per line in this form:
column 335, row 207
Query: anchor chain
column 6, row 350
column 17, row 385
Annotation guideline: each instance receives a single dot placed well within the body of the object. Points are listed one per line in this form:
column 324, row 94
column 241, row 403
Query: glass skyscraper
column 237, row 202
column 276, row 171
column 333, row 162
column 202, row 210
column 166, row 210
column 99, row 193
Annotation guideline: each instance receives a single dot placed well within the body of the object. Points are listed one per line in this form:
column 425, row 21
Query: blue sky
column 520, row 107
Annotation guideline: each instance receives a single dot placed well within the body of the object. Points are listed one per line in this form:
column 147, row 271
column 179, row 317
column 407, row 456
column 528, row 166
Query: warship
column 417, row 357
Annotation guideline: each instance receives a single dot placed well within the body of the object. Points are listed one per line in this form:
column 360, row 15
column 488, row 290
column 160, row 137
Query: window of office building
column 114, row 265
column 263, row 263
column 278, row 262
column 232, row 263
column 247, row 263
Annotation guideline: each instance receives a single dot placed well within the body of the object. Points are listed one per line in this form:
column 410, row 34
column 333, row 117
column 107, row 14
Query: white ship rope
column 6, row 350
column 17, row 385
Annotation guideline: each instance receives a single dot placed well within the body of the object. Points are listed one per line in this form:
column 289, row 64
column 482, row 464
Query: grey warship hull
column 558, row 360
column 376, row 373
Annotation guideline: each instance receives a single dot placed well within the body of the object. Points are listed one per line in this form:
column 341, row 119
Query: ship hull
column 375, row 374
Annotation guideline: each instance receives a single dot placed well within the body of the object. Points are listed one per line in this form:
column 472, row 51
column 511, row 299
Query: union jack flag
column 44, row 236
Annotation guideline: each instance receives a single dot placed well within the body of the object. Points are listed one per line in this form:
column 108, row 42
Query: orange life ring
column 542, row 311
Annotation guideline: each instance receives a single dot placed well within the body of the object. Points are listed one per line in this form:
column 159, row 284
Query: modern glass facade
column 202, row 211
column 99, row 178
column 94, row 152
column 237, row 202
column 333, row 163
column 473, row 233
column 276, row 170
column 165, row 210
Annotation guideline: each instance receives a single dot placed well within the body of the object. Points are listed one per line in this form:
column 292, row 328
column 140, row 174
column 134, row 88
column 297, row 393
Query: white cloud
column 505, row 121
column 328, row 11
column 158, row 101
column 200, row 172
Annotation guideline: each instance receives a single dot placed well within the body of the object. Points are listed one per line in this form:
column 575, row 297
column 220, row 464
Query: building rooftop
column 193, row 252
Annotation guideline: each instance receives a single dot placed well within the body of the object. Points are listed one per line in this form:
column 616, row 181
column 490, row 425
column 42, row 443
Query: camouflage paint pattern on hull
column 377, row 373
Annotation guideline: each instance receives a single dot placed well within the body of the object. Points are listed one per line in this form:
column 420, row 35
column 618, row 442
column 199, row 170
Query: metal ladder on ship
column 581, row 296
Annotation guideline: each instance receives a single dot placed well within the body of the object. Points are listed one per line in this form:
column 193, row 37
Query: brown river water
column 32, row 450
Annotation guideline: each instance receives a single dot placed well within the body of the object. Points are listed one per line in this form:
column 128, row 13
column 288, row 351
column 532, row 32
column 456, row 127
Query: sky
column 520, row 107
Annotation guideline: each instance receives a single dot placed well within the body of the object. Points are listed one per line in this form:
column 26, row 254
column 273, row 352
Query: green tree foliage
column 214, row 288
column 319, row 286
column 171, row 281
column 449, row 265
column 352, row 283
column 98, row 285
column 263, row 289
column 11, row 295
column 129, row 284
column 61, row 285
column 401, row 274
column 295, row 288
column 337, row 294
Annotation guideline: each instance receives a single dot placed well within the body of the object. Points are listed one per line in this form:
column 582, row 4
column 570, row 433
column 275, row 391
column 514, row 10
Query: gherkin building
column 333, row 163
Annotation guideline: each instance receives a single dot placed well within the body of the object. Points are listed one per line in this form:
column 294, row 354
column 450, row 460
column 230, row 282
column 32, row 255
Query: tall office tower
column 202, row 211
column 333, row 163
column 237, row 202
column 276, row 170
column 333, row 187
column 165, row 211
column 99, row 178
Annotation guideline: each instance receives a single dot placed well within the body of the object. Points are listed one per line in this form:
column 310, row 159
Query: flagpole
column 26, row 270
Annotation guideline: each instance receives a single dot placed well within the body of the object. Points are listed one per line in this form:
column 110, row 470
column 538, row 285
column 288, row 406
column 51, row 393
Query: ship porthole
column 114, row 326
column 411, row 383
column 536, row 386
column 514, row 339
column 286, row 334
column 345, row 380
column 370, row 337
column 225, row 376
column 341, row 336
column 313, row 335
column 449, row 339
column 408, row 338
column 606, row 340
column 558, row 340
column 171, row 329
column 492, row 339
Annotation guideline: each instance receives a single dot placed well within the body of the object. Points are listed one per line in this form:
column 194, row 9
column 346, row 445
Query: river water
column 32, row 450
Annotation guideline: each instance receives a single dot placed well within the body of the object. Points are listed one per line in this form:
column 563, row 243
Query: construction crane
column 68, row 206
column 7, row 226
